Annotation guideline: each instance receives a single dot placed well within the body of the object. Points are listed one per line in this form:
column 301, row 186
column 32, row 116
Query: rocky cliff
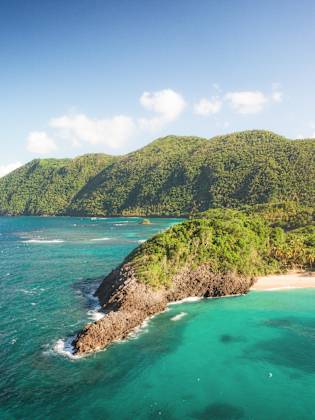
column 127, row 302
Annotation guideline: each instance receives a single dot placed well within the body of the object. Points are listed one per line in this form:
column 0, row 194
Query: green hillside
column 171, row 176
column 253, row 241
column 47, row 186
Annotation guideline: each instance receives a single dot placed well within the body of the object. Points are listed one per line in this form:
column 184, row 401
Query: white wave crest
column 137, row 331
column 100, row 239
column 95, row 315
column 178, row 316
column 186, row 300
column 141, row 241
column 44, row 241
column 65, row 348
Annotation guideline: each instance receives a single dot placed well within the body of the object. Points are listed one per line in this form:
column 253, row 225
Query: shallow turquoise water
column 249, row 357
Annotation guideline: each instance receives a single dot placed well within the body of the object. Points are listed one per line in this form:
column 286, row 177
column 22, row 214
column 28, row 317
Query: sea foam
column 95, row 313
column 65, row 348
column 178, row 316
column 186, row 300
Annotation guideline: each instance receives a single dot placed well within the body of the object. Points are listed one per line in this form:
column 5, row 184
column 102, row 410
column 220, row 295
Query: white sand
column 293, row 280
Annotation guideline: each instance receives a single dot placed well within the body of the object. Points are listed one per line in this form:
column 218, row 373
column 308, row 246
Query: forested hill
column 47, row 186
column 171, row 176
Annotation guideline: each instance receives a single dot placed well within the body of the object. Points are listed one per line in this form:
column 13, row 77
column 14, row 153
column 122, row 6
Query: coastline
column 128, row 302
column 291, row 280
column 110, row 216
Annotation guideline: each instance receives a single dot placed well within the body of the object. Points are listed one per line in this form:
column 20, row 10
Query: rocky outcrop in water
column 127, row 302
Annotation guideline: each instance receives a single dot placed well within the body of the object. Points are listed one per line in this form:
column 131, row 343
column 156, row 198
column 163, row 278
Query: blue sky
column 110, row 76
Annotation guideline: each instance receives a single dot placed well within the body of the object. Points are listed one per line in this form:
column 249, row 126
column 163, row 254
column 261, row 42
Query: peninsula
column 217, row 253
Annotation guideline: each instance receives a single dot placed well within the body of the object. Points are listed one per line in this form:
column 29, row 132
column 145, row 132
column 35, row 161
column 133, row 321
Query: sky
column 110, row 76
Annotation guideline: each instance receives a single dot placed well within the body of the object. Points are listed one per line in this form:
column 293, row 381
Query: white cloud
column 167, row 103
column 6, row 169
column 112, row 132
column 39, row 142
column 206, row 107
column 247, row 102
column 277, row 96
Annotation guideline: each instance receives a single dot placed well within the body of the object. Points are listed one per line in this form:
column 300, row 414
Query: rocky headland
column 219, row 253
column 127, row 302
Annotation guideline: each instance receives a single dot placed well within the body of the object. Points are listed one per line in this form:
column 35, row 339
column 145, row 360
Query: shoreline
column 291, row 280
column 273, row 282
column 184, row 216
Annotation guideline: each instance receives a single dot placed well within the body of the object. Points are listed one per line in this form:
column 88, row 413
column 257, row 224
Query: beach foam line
column 44, row 241
column 186, row 300
column 178, row 316
column 141, row 241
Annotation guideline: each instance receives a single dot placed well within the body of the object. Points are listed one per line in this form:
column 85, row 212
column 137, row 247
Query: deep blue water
column 248, row 357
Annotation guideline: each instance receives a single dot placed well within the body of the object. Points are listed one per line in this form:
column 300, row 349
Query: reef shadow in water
column 292, row 348
column 220, row 411
column 228, row 338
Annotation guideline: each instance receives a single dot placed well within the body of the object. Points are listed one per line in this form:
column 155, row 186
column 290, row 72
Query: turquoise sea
column 248, row 357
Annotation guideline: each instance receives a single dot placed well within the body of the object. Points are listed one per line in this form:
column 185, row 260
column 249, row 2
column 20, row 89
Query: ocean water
column 247, row 357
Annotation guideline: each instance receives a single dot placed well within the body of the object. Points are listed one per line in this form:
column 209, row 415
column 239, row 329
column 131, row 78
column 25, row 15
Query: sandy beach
column 293, row 280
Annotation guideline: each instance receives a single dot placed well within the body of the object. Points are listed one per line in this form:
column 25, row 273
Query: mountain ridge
column 172, row 175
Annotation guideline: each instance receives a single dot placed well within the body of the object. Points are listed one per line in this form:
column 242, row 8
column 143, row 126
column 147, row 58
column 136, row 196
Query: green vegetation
column 47, row 186
column 171, row 176
column 145, row 222
column 247, row 242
